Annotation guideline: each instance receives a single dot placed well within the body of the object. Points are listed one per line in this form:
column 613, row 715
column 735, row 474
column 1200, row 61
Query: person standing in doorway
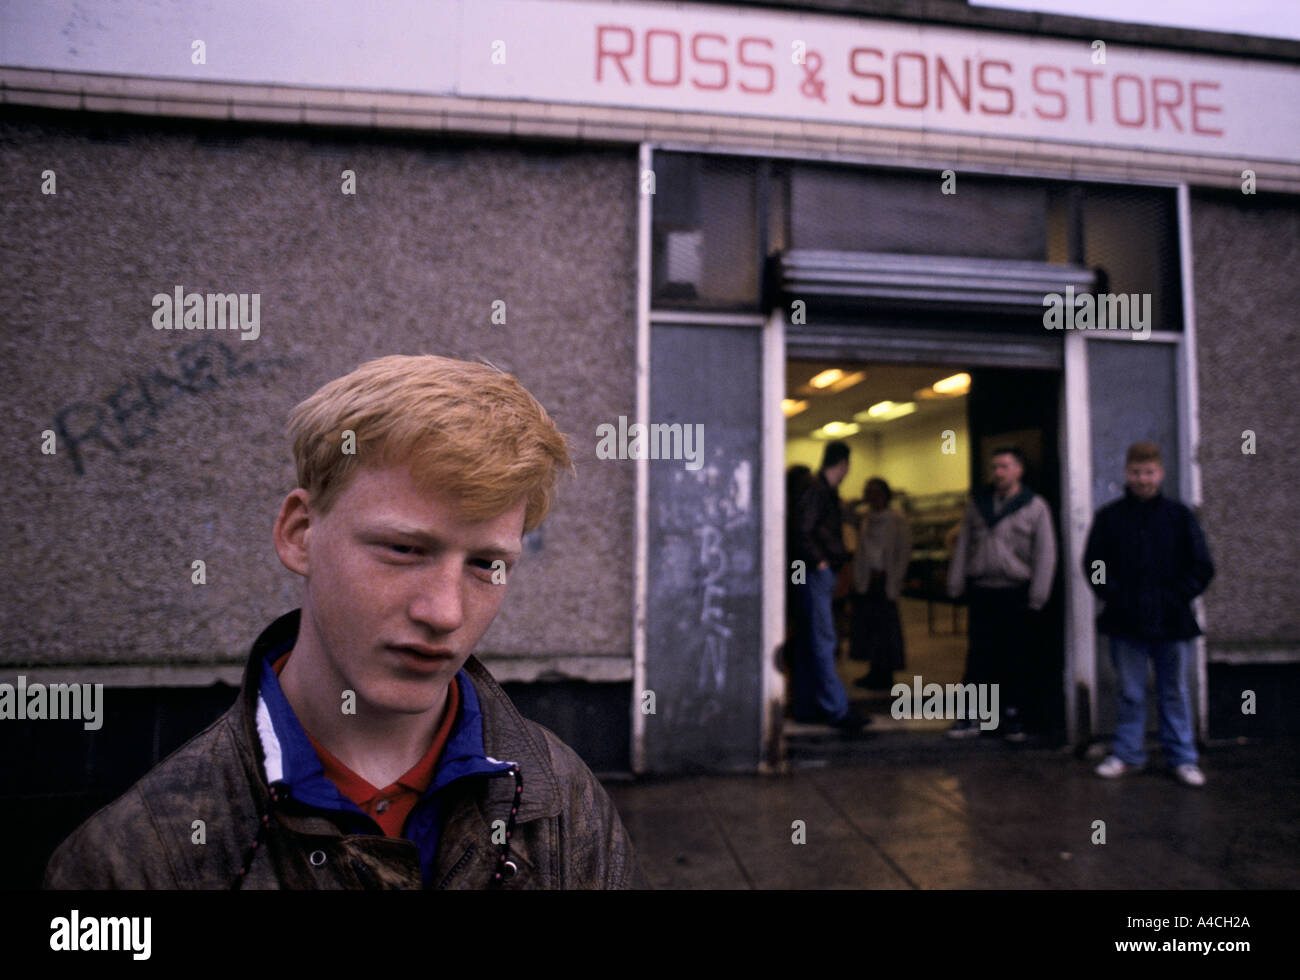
column 1146, row 559
column 819, row 696
column 879, row 568
column 797, row 479
column 1003, row 561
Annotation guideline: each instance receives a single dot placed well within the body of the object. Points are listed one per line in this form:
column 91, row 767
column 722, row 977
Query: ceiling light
column 958, row 384
column 826, row 378
column 885, row 411
column 790, row 407
column 847, row 381
column 836, row 430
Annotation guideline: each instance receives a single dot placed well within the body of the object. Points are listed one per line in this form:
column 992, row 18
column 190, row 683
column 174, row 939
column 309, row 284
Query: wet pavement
column 913, row 810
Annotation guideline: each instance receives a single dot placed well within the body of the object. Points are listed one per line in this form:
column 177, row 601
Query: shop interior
column 915, row 426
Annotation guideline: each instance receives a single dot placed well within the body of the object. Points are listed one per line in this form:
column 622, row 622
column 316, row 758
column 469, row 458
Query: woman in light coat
column 879, row 569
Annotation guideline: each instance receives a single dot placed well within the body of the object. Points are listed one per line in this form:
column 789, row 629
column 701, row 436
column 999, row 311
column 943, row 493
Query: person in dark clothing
column 797, row 479
column 1146, row 559
column 819, row 544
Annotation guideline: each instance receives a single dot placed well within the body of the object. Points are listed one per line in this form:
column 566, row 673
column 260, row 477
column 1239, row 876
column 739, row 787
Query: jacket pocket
column 457, row 867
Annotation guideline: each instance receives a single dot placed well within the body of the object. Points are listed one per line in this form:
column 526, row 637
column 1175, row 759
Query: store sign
column 699, row 58
column 845, row 70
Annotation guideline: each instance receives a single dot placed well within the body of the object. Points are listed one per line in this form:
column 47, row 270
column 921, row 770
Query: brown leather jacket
column 566, row 834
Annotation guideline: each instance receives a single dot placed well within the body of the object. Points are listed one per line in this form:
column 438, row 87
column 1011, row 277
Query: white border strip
column 1189, row 390
column 134, row 675
column 1076, row 481
column 1189, row 399
column 697, row 131
column 772, row 755
column 927, row 159
column 642, row 505
column 756, row 320
column 1155, row 337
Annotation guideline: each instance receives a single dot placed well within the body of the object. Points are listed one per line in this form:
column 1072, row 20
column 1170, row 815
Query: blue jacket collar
column 291, row 760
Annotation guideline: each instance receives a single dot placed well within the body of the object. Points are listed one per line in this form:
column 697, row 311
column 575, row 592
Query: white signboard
column 691, row 58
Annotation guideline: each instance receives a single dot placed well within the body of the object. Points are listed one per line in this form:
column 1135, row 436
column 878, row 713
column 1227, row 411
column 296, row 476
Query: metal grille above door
column 922, row 308
column 934, row 282
column 904, row 344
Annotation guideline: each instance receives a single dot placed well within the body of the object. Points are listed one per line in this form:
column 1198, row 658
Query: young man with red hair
column 368, row 748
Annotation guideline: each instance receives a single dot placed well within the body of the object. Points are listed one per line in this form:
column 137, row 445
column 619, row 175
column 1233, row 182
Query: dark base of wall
column 1277, row 690
column 592, row 719
column 58, row 774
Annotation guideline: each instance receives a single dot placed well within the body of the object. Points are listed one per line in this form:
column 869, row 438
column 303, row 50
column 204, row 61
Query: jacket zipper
column 455, row 868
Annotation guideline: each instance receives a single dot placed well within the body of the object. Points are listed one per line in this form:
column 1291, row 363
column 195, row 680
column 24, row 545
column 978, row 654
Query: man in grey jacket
column 1004, row 560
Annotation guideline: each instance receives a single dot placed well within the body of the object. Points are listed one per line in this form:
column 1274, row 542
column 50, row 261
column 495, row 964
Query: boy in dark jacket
column 368, row 749
column 1147, row 559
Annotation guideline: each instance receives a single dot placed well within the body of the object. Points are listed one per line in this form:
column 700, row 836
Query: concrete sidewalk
column 915, row 810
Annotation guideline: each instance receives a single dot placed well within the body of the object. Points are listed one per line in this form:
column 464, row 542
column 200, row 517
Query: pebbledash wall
column 1248, row 347
column 524, row 180
column 171, row 443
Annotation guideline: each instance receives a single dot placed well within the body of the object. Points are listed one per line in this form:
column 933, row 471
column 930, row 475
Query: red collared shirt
column 389, row 807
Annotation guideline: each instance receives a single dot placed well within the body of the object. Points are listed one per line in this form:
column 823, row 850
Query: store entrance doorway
column 1020, row 408
column 927, row 431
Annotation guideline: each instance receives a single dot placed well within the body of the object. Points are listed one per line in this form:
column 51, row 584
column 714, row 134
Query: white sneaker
column 1190, row 775
column 1113, row 766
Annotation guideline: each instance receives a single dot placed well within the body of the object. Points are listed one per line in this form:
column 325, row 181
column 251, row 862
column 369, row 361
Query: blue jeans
column 818, row 693
column 1131, row 658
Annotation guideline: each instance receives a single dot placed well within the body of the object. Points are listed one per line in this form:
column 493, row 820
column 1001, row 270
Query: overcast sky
column 1270, row 18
